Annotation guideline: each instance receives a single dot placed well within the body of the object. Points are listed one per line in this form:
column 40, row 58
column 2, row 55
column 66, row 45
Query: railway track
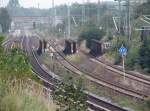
column 8, row 44
column 135, row 77
column 121, row 89
column 95, row 103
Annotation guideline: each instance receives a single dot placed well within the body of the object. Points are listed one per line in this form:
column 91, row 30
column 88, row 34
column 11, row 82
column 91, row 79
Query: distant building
column 138, row 1
column 19, row 21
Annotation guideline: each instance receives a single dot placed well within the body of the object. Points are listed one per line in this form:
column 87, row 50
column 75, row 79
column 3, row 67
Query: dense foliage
column 1, row 51
column 91, row 9
column 144, row 57
column 148, row 102
column 70, row 95
column 91, row 32
column 13, row 3
column 143, row 9
column 138, row 53
column 14, row 64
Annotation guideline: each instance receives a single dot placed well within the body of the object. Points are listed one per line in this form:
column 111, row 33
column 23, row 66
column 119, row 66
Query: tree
column 91, row 32
column 106, row 20
column 13, row 3
column 143, row 9
column 5, row 20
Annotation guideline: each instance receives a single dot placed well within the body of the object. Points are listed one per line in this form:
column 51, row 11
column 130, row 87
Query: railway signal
column 123, row 52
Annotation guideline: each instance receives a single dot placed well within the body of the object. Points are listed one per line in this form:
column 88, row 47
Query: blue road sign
column 122, row 51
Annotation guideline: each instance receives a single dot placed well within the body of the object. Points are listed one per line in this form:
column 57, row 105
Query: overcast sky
column 46, row 3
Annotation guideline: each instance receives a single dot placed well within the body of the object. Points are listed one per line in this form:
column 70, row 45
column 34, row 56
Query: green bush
column 71, row 95
column 118, row 59
column 3, row 89
column 117, row 42
column 15, row 64
column 1, row 41
column 144, row 57
column 132, row 58
column 138, row 53
column 148, row 102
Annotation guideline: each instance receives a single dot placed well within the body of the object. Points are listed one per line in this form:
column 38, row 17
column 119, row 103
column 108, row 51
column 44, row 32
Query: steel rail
column 95, row 105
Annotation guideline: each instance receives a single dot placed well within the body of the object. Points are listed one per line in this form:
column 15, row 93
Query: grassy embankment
column 24, row 96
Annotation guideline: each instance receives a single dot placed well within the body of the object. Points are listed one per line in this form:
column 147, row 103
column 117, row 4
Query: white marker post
column 123, row 58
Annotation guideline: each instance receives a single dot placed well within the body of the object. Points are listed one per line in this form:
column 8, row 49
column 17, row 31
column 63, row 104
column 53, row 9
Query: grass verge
column 24, row 96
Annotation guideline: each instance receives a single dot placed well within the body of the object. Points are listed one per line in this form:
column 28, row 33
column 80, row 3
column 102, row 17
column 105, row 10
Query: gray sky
column 46, row 3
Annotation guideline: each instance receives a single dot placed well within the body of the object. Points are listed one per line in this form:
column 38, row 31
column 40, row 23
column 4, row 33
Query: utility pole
column 53, row 5
column 98, row 13
column 88, row 9
column 128, row 20
column 38, row 6
column 120, row 17
column 53, row 12
column 69, row 21
column 83, row 13
column 1, row 3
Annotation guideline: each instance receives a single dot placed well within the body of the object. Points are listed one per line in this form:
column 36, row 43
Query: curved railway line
column 136, row 77
column 121, row 89
column 94, row 102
